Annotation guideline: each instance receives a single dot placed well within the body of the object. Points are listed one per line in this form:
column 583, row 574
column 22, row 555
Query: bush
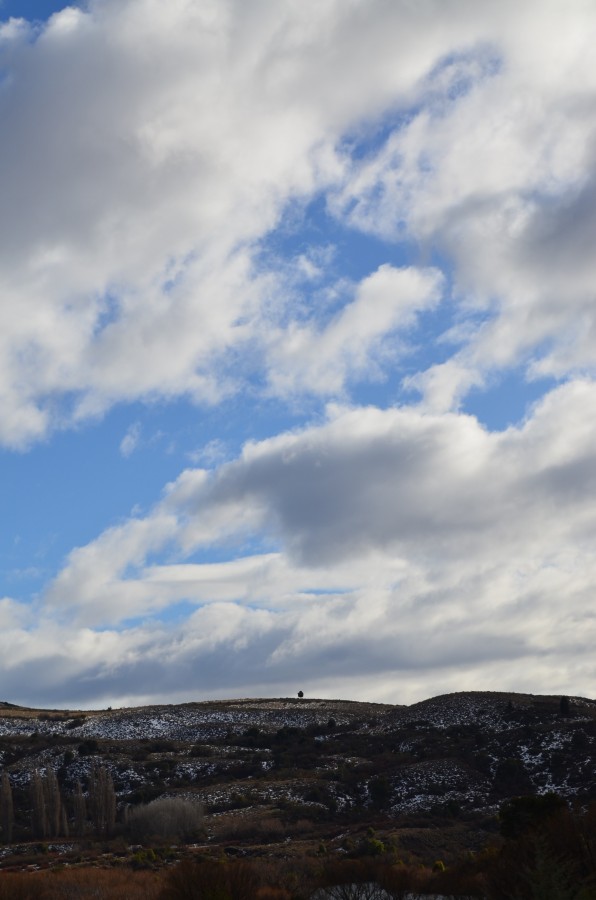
column 521, row 814
column 107, row 884
column 211, row 880
column 511, row 779
column 166, row 818
column 76, row 722
column 350, row 880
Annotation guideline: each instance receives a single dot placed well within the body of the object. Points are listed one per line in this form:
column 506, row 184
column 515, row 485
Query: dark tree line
column 52, row 814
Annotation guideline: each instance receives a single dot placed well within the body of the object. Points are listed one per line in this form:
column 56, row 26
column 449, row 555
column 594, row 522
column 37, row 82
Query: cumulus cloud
column 407, row 542
column 418, row 484
column 150, row 150
column 149, row 147
column 495, row 165
column 323, row 359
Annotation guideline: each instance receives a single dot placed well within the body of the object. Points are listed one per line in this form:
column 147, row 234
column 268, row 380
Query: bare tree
column 80, row 811
column 102, row 801
column 168, row 817
column 53, row 802
column 357, row 891
column 6, row 808
column 39, row 816
column 64, row 822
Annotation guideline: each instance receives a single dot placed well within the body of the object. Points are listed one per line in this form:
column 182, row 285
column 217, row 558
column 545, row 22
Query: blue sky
column 297, row 349
column 32, row 10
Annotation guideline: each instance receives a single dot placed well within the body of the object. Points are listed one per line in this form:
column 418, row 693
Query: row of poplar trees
column 49, row 815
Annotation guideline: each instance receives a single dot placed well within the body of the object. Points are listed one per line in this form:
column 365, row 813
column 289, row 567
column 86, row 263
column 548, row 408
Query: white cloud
column 321, row 359
column 495, row 166
column 14, row 615
column 96, row 574
column 148, row 151
column 213, row 452
column 444, row 385
column 147, row 148
column 130, row 441
column 409, row 544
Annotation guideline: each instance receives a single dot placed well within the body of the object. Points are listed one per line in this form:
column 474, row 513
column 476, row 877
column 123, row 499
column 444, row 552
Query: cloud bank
column 152, row 156
column 394, row 544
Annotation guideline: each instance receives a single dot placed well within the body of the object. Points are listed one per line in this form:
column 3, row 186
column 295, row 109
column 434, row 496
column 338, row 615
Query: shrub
column 144, row 859
column 76, row 722
column 211, row 880
column 166, row 818
column 511, row 779
column 380, row 791
column 100, row 884
column 520, row 814
column 350, row 880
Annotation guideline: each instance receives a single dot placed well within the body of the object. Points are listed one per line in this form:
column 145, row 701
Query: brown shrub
column 166, row 818
column 240, row 828
column 209, row 880
column 80, row 884
column 19, row 887
column 295, row 878
column 273, row 893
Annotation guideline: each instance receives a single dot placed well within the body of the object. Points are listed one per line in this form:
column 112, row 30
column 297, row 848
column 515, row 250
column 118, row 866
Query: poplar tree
column 53, row 801
column 6, row 808
column 39, row 816
column 80, row 811
column 102, row 801
column 64, row 822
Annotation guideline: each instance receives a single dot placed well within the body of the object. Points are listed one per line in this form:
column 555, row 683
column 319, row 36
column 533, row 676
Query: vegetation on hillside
column 469, row 795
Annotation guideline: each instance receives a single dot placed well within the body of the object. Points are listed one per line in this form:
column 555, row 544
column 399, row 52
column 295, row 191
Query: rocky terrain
column 279, row 772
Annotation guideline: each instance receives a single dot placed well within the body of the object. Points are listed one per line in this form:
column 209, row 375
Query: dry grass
column 80, row 884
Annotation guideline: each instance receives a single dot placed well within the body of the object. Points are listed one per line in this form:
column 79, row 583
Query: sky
column 297, row 349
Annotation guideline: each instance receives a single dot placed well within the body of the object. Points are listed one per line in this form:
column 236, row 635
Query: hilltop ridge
column 269, row 768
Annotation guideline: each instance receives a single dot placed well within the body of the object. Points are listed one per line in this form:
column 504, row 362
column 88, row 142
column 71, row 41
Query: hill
column 430, row 777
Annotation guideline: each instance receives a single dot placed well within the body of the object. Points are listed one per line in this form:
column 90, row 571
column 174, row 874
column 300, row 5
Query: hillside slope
column 266, row 769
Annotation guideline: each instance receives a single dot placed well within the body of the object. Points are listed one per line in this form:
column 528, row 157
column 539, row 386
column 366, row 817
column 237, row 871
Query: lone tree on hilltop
column 300, row 695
